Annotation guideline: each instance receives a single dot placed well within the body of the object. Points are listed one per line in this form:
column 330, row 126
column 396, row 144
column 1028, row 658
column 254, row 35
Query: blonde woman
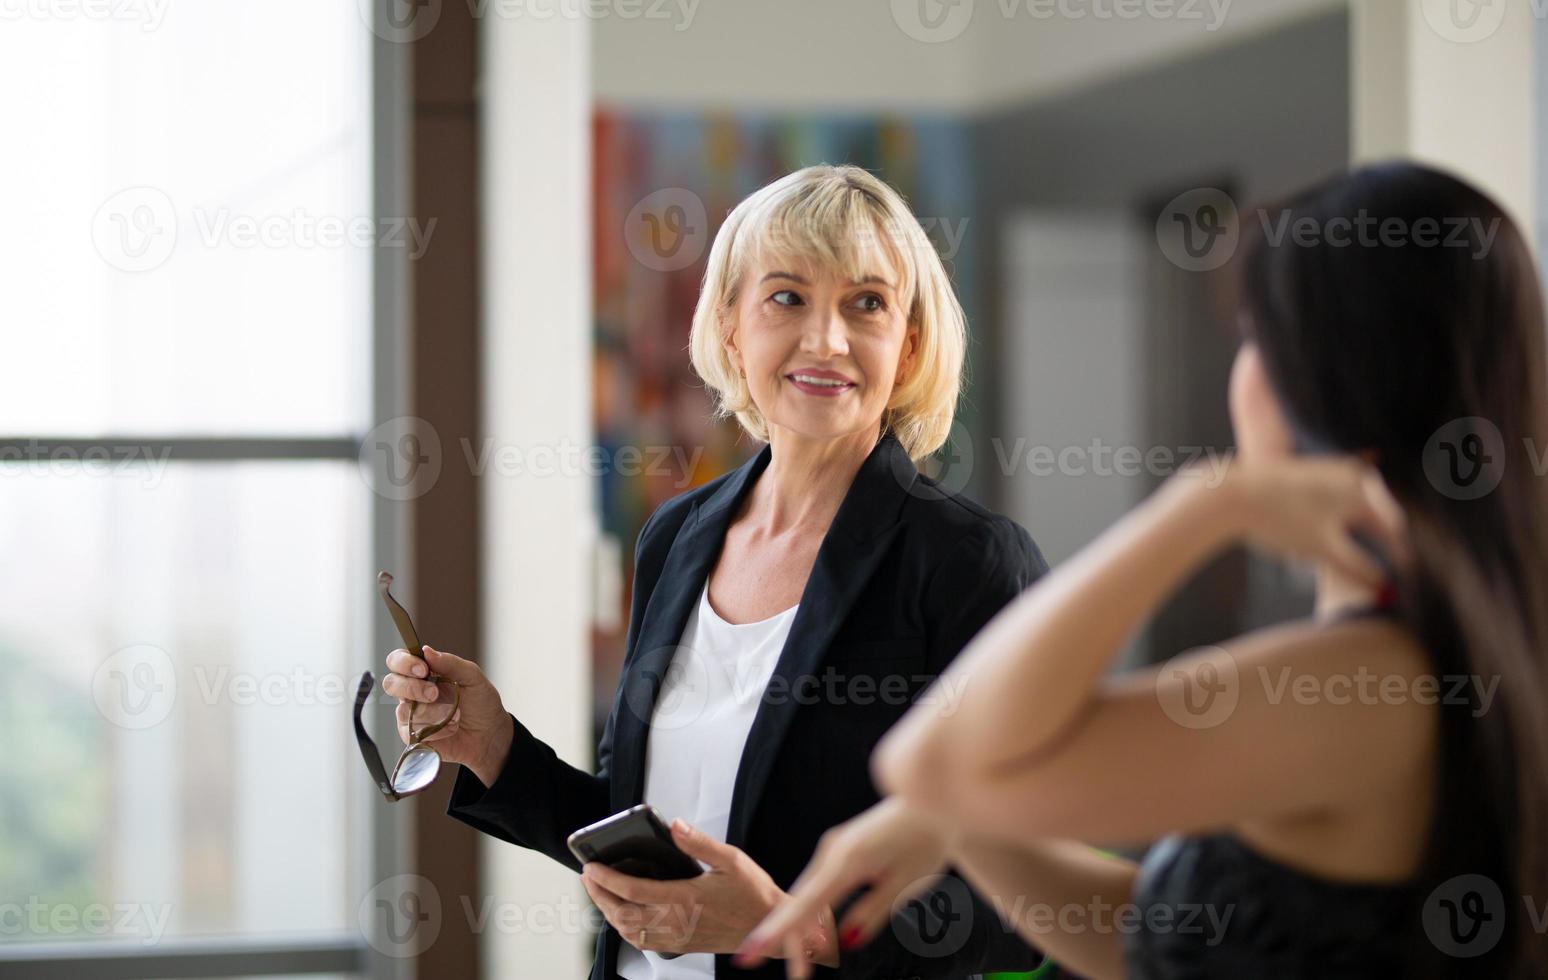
column 785, row 614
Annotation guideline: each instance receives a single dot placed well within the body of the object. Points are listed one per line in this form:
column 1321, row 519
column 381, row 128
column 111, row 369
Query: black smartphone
column 635, row 842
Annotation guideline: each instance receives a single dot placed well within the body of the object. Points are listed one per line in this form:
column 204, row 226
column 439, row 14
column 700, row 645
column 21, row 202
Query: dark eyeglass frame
column 423, row 761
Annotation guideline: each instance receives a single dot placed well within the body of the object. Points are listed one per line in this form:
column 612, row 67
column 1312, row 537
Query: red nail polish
column 851, row 937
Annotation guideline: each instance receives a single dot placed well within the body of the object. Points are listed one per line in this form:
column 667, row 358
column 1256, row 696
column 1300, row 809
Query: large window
column 187, row 324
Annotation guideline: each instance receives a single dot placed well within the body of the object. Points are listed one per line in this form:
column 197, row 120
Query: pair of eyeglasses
column 419, row 763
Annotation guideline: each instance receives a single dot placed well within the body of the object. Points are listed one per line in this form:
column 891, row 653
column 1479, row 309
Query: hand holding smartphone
column 635, row 842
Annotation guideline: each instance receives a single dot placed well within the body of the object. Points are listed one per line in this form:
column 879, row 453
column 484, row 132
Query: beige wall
column 1458, row 94
column 537, row 381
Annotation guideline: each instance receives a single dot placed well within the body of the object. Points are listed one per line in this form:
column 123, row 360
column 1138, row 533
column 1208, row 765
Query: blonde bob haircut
column 842, row 219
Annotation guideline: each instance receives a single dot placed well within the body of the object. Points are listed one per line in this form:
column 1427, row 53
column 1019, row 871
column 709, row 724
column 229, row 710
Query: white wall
column 1021, row 58
column 875, row 54
column 775, row 54
column 1074, row 317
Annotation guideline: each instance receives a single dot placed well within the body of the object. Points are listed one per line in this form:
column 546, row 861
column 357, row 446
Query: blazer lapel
column 850, row 552
column 688, row 564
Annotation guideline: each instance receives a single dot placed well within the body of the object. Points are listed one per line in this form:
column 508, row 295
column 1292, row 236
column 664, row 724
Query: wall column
column 1451, row 83
column 535, row 103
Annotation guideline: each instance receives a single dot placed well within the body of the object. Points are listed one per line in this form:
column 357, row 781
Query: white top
column 697, row 731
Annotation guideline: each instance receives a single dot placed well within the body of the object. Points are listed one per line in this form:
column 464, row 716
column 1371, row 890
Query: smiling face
column 827, row 312
column 822, row 353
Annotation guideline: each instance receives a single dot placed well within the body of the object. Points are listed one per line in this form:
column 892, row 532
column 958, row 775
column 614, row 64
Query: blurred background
column 297, row 291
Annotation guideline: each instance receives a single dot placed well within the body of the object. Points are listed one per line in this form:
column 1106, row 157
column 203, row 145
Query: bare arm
column 1040, row 745
column 1032, row 672
column 1061, row 896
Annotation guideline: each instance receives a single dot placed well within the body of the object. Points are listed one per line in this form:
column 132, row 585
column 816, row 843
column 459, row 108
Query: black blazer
column 906, row 575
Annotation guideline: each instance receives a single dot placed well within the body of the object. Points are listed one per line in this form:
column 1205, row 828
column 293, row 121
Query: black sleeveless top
column 1213, row 907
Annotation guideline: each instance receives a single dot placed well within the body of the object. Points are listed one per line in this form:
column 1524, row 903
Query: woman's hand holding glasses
column 447, row 711
column 478, row 732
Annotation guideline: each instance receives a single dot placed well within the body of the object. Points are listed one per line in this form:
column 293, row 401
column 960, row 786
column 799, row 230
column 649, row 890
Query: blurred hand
column 479, row 733
column 892, row 848
column 1309, row 508
column 708, row 914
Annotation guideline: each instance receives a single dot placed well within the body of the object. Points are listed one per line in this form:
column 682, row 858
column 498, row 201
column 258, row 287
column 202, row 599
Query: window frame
column 387, row 852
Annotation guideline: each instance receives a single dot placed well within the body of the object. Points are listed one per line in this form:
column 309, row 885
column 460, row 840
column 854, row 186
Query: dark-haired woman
column 1360, row 794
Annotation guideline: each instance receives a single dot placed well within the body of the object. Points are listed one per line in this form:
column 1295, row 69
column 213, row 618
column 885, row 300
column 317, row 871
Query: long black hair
column 1397, row 311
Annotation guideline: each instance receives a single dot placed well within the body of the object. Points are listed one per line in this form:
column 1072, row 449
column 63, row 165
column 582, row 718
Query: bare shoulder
column 1378, row 643
column 1369, row 671
column 1364, row 690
